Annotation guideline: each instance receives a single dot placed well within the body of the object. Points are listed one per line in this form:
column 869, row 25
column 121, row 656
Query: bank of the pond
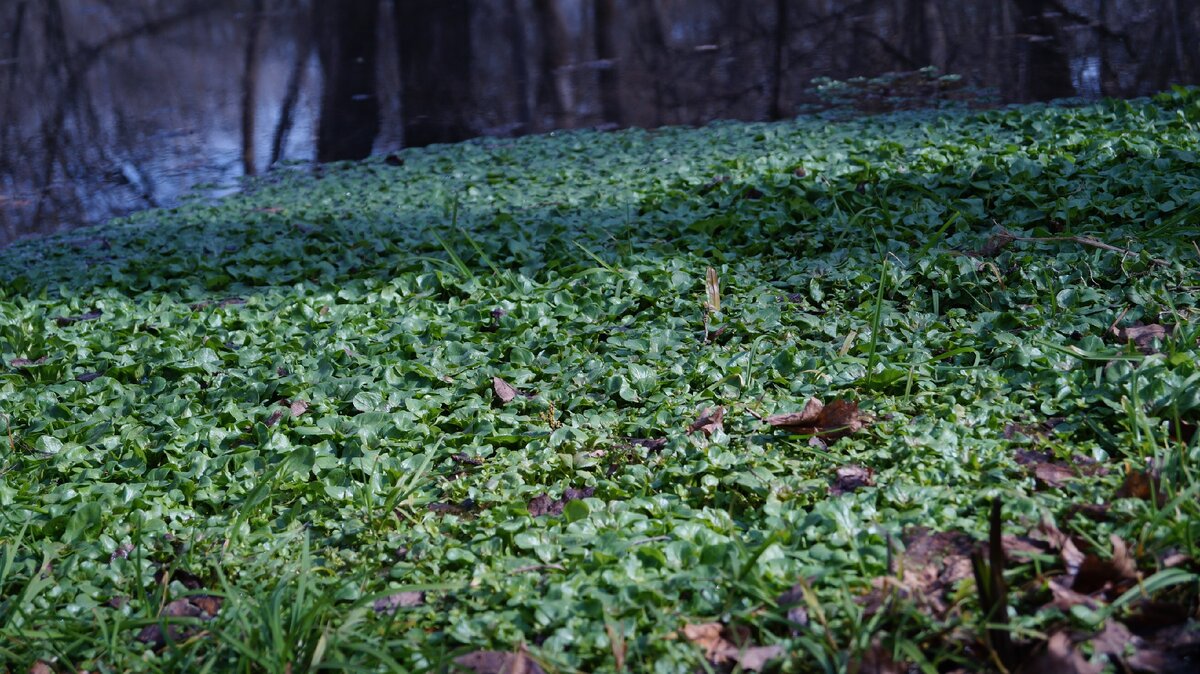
column 484, row 405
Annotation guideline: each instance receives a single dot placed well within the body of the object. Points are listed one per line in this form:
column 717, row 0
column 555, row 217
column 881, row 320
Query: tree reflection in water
column 109, row 107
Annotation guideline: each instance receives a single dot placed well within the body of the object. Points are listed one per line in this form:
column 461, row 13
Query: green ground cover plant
column 915, row 392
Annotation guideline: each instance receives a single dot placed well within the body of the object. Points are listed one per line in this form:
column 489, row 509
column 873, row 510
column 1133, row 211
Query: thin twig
column 1113, row 328
column 652, row 539
column 12, row 444
column 538, row 567
column 1089, row 241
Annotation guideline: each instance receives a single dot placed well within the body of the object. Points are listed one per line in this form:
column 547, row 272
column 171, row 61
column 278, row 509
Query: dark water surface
column 110, row 106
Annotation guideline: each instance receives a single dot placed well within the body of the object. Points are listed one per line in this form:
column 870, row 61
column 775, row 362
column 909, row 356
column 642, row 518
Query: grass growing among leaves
column 906, row 393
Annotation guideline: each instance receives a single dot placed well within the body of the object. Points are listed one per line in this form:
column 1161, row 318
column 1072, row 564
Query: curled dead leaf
column 505, row 392
column 709, row 422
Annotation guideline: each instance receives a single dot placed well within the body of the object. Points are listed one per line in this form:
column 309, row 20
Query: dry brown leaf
column 652, row 444
column 88, row 376
column 390, row 603
column 1060, row 655
column 1142, row 484
column 1053, row 474
column 274, row 418
column 1144, row 336
column 1065, row 598
column 1171, row 650
column 712, row 290
column 877, row 660
column 1063, row 544
column 809, row 416
column 1113, row 639
column 708, row 636
column 202, row 606
column 710, row 421
column 838, row 418
column 1113, row 575
column 850, row 478
column 1036, row 431
column 41, row 667
column 505, row 392
column 714, row 638
column 616, row 641
column 499, row 662
column 544, row 505
column 755, row 658
column 444, row 508
column 932, row 564
column 298, row 407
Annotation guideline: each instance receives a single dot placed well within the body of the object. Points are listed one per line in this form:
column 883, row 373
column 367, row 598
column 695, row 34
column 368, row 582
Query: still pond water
column 109, row 107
